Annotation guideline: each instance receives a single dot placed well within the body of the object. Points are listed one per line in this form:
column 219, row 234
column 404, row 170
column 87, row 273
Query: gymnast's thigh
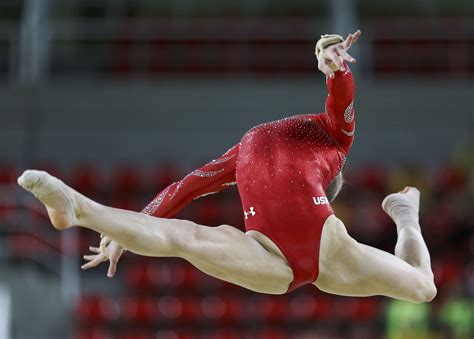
column 227, row 253
column 349, row 268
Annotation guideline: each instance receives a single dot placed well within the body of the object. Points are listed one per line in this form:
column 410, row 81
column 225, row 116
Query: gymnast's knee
column 424, row 290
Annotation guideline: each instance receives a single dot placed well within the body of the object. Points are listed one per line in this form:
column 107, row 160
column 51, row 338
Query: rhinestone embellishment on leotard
column 203, row 174
column 349, row 134
column 205, row 194
column 301, row 135
column 155, row 204
column 349, row 113
column 198, row 173
column 222, row 160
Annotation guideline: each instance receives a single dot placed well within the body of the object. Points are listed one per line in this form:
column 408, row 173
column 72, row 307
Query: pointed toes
column 30, row 178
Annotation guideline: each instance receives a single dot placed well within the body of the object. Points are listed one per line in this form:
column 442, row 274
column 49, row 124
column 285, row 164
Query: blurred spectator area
column 155, row 38
column 175, row 299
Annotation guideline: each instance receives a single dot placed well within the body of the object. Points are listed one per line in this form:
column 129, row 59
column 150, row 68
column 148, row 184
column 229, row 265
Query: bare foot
column 403, row 207
column 57, row 197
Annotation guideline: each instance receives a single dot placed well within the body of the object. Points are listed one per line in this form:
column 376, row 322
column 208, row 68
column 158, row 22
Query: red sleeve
column 340, row 108
column 211, row 178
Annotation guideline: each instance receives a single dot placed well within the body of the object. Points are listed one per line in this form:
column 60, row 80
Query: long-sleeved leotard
column 282, row 170
column 339, row 113
column 211, row 178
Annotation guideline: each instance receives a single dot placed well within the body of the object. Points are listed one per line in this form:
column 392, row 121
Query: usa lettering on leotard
column 320, row 200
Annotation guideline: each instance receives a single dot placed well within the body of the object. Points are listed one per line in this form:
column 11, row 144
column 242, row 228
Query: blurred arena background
column 119, row 98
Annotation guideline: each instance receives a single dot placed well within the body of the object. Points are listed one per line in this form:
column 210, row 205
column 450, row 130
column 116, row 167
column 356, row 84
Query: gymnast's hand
column 108, row 250
column 331, row 52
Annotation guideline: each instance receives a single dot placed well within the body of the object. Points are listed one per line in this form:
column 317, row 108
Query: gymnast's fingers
column 351, row 39
column 93, row 263
column 94, row 249
column 356, row 35
column 346, row 56
column 331, row 53
column 346, row 44
column 112, row 267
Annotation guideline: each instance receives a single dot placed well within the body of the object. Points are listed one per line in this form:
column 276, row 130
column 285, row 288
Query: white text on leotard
column 320, row 200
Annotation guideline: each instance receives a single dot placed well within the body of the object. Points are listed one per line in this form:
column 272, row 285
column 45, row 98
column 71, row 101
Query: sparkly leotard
column 282, row 170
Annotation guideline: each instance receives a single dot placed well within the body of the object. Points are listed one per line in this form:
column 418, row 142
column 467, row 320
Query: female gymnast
column 287, row 173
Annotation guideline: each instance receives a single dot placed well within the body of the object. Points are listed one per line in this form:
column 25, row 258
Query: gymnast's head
column 335, row 187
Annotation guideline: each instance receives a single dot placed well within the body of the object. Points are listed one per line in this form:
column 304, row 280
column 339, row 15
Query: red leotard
column 282, row 170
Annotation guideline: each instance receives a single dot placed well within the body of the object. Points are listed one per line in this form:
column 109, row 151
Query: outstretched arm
column 211, row 178
column 332, row 57
column 340, row 107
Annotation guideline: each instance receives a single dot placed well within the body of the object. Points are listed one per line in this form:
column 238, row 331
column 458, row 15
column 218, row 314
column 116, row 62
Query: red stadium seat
column 139, row 310
column 142, row 276
column 94, row 309
column 306, row 307
column 8, row 174
column 87, row 180
column 221, row 308
column 208, row 212
column 171, row 308
column 137, row 334
column 185, row 276
column 372, row 178
column 161, row 274
column 168, row 276
column 8, row 211
column 363, row 309
column 174, row 334
column 174, row 309
column 448, row 271
column 269, row 308
column 269, row 334
column 29, row 245
column 450, row 179
column 221, row 334
column 126, row 181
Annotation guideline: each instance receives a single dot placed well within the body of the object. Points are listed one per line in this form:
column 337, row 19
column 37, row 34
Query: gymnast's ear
column 335, row 187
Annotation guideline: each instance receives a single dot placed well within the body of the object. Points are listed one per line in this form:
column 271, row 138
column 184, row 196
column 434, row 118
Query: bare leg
column 403, row 208
column 223, row 252
column 350, row 268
